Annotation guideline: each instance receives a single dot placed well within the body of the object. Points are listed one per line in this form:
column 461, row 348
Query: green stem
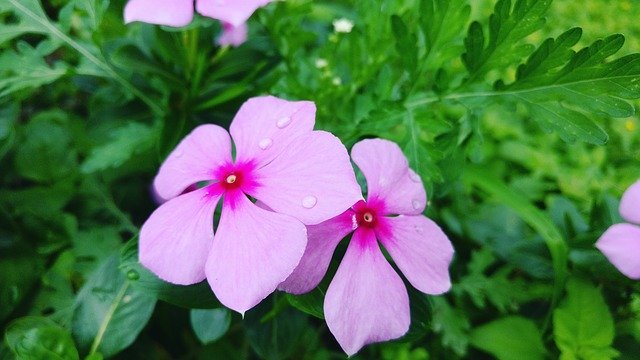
column 107, row 319
column 54, row 31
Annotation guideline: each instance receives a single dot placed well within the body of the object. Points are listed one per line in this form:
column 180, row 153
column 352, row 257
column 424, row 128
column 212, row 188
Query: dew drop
column 416, row 204
column 309, row 201
column 414, row 177
column 127, row 299
column 265, row 143
column 133, row 275
column 283, row 122
column 177, row 154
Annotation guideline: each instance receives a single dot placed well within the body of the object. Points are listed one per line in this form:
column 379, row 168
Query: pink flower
column 180, row 12
column 621, row 242
column 233, row 35
column 304, row 176
column 367, row 301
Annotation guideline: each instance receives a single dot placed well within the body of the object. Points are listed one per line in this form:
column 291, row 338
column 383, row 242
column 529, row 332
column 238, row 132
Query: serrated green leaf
column 550, row 55
column 508, row 26
column 510, row 338
column 453, row 324
column 441, row 21
column 125, row 142
column 583, row 327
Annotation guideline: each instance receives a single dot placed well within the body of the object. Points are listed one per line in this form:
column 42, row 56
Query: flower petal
column 175, row 13
column 311, row 179
column 367, row 301
column 322, row 241
column 265, row 126
column 388, row 177
column 233, row 35
column 621, row 245
column 421, row 250
column 232, row 11
column 254, row 250
column 630, row 204
column 175, row 240
column 194, row 159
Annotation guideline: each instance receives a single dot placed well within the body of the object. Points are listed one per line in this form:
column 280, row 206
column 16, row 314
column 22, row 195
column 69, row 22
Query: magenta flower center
column 236, row 176
column 365, row 215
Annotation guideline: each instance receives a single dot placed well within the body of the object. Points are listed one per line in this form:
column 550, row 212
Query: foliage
column 518, row 115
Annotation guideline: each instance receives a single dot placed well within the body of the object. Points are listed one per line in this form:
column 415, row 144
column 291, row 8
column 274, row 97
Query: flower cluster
column 621, row 242
column 177, row 13
column 307, row 200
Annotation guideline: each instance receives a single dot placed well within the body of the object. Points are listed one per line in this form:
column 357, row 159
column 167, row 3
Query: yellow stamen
column 368, row 217
column 231, row 179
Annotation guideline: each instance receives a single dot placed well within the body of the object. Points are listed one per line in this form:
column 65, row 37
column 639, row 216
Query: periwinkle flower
column 367, row 300
column 232, row 13
column 621, row 242
column 304, row 176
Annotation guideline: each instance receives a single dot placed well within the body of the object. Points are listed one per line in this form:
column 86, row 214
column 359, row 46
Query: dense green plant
column 524, row 143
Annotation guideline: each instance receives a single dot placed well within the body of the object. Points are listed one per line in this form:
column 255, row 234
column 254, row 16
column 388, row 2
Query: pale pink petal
column 367, row 301
column 630, row 204
column 196, row 157
column 311, row 180
column 323, row 239
column 254, row 250
column 233, row 35
column 421, row 250
column 388, row 177
column 175, row 240
column 175, row 13
column 234, row 12
column 265, row 126
column 621, row 245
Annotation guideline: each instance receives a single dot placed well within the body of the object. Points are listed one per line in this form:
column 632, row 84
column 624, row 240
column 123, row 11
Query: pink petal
column 234, row 12
column 367, row 301
column 630, row 204
column 388, row 176
column 311, row 179
column 175, row 240
column 322, row 242
column 621, row 245
column 194, row 159
column 421, row 250
column 265, row 126
column 254, row 250
column 233, row 35
column 175, row 13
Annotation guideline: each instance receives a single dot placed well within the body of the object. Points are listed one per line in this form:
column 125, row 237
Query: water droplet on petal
column 417, row 204
column 177, row 154
column 265, row 143
column 309, row 201
column 414, row 177
column 283, row 122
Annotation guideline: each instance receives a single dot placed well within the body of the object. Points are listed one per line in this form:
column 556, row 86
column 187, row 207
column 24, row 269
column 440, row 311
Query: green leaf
column 405, row 43
column 537, row 219
column 510, row 338
column 441, row 21
column 109, row 312
column 210, row 325
column 508, row 26
column 583, row 327
column 133, row 138
column 453, row 324
column 38, row 338
column 191, row 296
column 310, row 303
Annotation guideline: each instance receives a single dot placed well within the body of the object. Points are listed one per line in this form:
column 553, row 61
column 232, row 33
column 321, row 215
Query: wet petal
column 311, row 179
column 388, row 176
column 175, row 240
column 621, row 245
column 254, row 250
column 421, row 250
column 322, row 241
column 233, row 35
column 265, row 126
column 367, row 301
column 193, row 160
column 234, row 12
column 630, row 204
column 175, row 13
